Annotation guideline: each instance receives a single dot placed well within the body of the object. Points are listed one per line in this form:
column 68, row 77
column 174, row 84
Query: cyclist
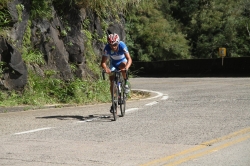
column 117, row 53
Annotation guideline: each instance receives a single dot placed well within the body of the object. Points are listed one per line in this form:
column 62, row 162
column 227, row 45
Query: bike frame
column 117, row 94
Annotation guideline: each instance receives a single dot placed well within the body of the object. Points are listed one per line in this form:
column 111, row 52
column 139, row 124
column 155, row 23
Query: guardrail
column 231, row 67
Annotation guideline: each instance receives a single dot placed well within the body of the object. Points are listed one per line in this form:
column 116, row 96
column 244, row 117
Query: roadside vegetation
column 164, row 30
column 155, row 31
column 48, row 89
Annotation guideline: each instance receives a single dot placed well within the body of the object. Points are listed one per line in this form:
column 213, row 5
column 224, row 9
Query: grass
column 50, row 91
column 136, row 95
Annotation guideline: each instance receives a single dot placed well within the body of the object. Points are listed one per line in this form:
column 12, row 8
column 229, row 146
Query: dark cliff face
column 59, row 49
column 15, row 71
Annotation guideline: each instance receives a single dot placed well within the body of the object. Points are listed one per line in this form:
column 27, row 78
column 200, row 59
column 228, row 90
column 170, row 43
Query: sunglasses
column 113, row 45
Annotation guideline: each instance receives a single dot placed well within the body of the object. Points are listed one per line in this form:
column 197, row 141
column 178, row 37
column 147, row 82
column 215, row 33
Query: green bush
column 50, row 90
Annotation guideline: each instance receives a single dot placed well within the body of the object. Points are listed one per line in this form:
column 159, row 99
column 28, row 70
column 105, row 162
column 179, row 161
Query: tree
column 152, row 37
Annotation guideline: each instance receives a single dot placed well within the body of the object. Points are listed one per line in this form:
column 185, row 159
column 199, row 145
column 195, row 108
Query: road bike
column 118, row 94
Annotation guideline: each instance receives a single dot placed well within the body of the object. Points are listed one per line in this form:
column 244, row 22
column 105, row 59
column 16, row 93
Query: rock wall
column 59, row 49
column 15, row 71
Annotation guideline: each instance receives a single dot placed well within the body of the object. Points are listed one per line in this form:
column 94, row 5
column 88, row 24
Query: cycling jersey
column 116, row 58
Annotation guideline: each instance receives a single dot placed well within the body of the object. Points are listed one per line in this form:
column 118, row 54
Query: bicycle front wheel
column 114, row 100
column 123, row 97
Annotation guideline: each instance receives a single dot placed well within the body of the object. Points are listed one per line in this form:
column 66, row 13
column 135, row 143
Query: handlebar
column 116, row 71
column 103, row 74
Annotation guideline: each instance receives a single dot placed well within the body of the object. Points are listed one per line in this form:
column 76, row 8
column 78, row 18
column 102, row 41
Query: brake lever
column 103, row 74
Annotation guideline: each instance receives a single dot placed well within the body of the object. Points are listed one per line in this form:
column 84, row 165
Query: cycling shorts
column 114, row 65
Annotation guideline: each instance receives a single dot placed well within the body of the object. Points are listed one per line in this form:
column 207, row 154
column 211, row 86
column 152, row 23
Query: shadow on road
column 89, row 118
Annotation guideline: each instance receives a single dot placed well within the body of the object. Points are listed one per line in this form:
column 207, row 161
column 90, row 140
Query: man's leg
column 122, row 67
column 111, row 78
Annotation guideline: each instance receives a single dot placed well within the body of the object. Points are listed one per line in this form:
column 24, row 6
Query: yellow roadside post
column 222, row 53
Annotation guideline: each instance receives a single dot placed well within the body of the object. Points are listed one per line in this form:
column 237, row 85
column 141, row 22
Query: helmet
column 113, row 38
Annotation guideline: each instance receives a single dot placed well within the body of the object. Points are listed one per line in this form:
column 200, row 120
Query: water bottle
column 119, row 87
column 126, row 88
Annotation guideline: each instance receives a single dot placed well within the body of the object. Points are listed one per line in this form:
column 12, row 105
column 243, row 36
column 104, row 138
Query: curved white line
column 132, row 109
column 152, row 103
column 159, row 94
column 164, row 98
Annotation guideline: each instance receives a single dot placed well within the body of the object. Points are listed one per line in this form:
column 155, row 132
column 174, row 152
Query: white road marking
column 152, row 103
column 32, row 131
column 164, row 98
column 159, row 94
column 131, row 110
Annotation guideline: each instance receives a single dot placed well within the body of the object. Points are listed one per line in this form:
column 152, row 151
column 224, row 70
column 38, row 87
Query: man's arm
column 129, row 60
column 103, row 64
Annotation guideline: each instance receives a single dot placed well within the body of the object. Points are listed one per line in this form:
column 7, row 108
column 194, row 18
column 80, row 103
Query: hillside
column 50, row 49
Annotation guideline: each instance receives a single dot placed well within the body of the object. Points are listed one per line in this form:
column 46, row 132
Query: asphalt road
column 186, row 121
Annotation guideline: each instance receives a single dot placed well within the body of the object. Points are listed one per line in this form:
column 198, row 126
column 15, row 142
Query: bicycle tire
column 114, row 100
column 122, row 96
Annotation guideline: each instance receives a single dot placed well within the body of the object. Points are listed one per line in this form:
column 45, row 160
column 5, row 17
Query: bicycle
column 118, row 92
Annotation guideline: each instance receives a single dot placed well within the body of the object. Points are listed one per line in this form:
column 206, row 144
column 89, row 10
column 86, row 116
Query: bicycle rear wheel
column 114, row 100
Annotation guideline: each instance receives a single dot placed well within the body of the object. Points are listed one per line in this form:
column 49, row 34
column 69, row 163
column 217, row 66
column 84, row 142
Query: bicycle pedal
column 120, row 102
column 112, row 109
